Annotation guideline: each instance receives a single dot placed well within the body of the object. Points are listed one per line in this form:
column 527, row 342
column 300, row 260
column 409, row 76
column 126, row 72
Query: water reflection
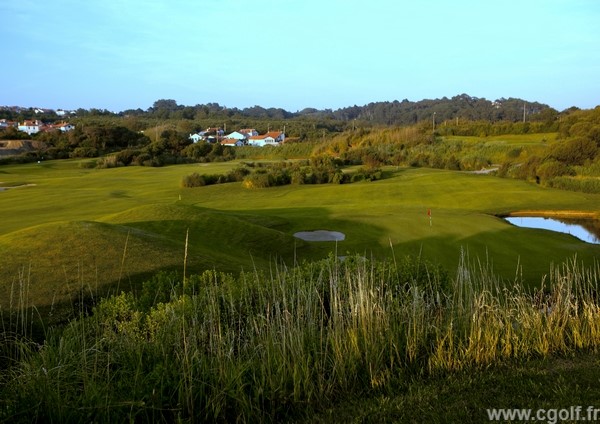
column 587, row 230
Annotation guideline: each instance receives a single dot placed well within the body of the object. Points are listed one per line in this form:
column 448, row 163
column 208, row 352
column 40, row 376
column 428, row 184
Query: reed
column 278, row 346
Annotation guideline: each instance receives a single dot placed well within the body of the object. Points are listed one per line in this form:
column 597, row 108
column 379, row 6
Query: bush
column 366, row 174
column 89, row 164
column 126, row 156
column 193, row 180
column 552, row 168
column 298, row 176
column 143, row 159
column 527, row 170
column 84, row 152
column 108, row 162
column 257, row 180
column 585, row 185
column 238, row 174
column 574, row 152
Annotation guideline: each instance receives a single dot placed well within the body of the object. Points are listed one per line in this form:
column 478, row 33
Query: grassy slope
column 231, row 227
column 550, row 383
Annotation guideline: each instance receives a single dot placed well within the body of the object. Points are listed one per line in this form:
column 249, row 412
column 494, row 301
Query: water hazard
column 587, row 230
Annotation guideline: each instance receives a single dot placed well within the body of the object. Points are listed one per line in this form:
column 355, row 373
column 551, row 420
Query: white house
column 210, row 134
column 248, row 132
column 232, row 142
column 272, row 138
column 218, row 132
column 5, row 123
column 64, row 127
column 197, row 137
column 31, row 127
column 236, row 135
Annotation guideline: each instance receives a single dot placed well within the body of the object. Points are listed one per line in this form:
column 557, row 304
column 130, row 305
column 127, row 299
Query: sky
column 293, row 54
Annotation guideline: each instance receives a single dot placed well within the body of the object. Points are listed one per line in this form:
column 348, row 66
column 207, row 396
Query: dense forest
column 403, row 112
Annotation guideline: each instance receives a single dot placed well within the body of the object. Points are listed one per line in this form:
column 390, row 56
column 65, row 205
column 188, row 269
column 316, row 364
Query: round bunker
column 320, row 235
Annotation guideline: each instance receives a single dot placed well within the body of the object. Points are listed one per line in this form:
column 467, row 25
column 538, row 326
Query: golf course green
column 66, row 228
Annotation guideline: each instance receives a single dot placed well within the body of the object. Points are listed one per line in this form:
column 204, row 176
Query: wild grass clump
column 200, row 180
column 583, row 184
column 215, row 347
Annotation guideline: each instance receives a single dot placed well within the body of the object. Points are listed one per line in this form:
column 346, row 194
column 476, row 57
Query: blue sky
column 118, row 54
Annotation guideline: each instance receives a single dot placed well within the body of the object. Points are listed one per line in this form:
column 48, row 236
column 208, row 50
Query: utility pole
column 524, row 112
column 433, row 119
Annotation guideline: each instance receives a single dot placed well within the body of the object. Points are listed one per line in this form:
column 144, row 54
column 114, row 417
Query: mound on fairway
column 55, row 263
column 52, row 263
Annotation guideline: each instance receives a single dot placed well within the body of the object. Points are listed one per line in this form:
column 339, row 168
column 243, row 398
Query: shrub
column 126, row 156
column 474, row 162
column 143, row 159
column 108, row 162
column 574, row 152
column 193, row 180
column 238, row 174
column 89, row 164
column 527, row 170
column 84, row 152
column 298, row 176
column 553, row 168
column 257, row 180
column 514, row 153
column 366, row 174
column 585, row 185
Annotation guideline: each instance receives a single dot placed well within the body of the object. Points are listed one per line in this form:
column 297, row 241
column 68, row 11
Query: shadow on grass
column 64, row 268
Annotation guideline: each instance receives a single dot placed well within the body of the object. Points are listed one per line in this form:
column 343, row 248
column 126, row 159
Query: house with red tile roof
column 272, row 138
column 249, row 132
column 5, row 123
column 232, row 142
column 31, row 127
column 63, row 126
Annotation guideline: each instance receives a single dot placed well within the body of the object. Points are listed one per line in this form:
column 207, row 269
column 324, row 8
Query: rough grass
column 291, row 344
column 551, row 383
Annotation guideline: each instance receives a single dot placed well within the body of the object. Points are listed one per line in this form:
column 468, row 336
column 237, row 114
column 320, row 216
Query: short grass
column 100, row 228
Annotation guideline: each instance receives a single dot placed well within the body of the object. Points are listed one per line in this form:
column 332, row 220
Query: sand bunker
column 4, row 188
column 320, row 235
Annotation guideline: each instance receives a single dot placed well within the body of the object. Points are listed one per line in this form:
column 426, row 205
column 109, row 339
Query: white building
column 272, row 138
column 31, row 127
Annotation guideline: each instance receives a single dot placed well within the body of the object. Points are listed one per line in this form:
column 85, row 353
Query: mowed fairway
column 79, row 229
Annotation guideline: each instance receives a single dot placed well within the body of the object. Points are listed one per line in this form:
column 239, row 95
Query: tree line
column 395, row 112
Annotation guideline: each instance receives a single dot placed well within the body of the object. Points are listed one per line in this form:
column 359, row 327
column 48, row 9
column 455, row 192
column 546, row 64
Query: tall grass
column 276, row 347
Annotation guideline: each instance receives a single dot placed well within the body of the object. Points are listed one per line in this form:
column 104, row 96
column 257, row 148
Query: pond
column 587, row 230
